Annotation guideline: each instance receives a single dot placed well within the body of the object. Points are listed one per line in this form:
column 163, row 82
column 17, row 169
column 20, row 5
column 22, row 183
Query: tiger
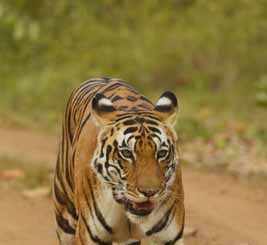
column 117, row 177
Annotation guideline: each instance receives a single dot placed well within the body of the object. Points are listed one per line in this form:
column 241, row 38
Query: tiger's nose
column 148, row 192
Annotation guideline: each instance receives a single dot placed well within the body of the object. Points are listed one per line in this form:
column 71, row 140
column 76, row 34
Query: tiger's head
column 136, row 153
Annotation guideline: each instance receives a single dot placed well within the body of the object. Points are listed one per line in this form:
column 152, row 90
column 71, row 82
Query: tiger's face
column 136, row 154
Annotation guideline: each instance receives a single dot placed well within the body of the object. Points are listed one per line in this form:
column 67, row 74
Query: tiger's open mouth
column 141, row 209
column 136, row 208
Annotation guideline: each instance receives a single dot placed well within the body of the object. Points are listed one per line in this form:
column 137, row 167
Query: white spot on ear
column 105, row 102
column 164, row 101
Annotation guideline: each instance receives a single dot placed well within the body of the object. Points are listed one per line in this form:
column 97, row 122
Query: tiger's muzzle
column 139, row 208
column 144, row 201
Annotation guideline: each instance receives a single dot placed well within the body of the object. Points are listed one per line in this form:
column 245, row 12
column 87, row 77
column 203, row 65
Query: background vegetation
column 212, row 53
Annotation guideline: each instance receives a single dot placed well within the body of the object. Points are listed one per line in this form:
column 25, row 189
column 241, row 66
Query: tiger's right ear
column 103, row 109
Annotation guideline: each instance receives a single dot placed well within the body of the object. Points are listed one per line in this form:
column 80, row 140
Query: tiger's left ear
column 103, row 109
column 167, row 107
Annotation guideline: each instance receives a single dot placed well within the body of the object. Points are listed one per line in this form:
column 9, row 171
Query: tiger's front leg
column 86, row 235
column 177, row 240
column 169, row 231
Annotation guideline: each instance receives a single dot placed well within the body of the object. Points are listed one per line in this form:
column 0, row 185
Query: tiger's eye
column 126, row 153
column 162, row 153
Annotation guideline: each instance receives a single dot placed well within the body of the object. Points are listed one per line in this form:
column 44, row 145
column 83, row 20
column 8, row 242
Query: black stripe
column 126, row 85
column 123, row 116
column 59, row 195
column 154, row 130
column 130, row 130
column 86, row 99
column 68, row 118
column 106, row 108
column 143, row 114
column 140, row 120
column 103, row 142
column 93, row 237
column 58, row 165
column 148, row 121
column 145, row 99
column 83, row 124
column 81, row 97
column 78, row 96
column 64, row 224
column 108, row 151
column 134, row 243
column 71, row 164
column 134, row 109
column 144, row 106
column 65, row 155
column 98, row 213
column 161, row 224
column 120, row 164
column 131, row 98
column 116, row 98
column 154, row 136
column 164, row 108
column 129, row 122
column 128, row 140
column 111, row 132
column 178, row 236
column 123, row 107
column 117, row 170
column 68, row 176
column 71, row 209
column 111, row 87
column 68, row 202
column 81, row 92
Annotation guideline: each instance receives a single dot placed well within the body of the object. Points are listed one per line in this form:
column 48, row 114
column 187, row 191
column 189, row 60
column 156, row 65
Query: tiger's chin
column 139, row 208
column 136, row 207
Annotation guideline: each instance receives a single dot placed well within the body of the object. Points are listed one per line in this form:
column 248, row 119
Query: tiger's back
column 95, row 194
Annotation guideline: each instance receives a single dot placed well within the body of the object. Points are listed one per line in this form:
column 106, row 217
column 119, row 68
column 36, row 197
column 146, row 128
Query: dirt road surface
column 225, row 210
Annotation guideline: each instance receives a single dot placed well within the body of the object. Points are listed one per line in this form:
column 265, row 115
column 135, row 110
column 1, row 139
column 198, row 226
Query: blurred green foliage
column 212, row 52
column 262, row 91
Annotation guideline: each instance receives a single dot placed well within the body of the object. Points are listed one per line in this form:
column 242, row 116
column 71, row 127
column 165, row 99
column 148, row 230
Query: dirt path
column 225, row 210
column 29, row 145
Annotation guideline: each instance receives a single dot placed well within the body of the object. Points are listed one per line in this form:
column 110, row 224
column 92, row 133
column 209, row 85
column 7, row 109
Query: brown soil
column 225, row 210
